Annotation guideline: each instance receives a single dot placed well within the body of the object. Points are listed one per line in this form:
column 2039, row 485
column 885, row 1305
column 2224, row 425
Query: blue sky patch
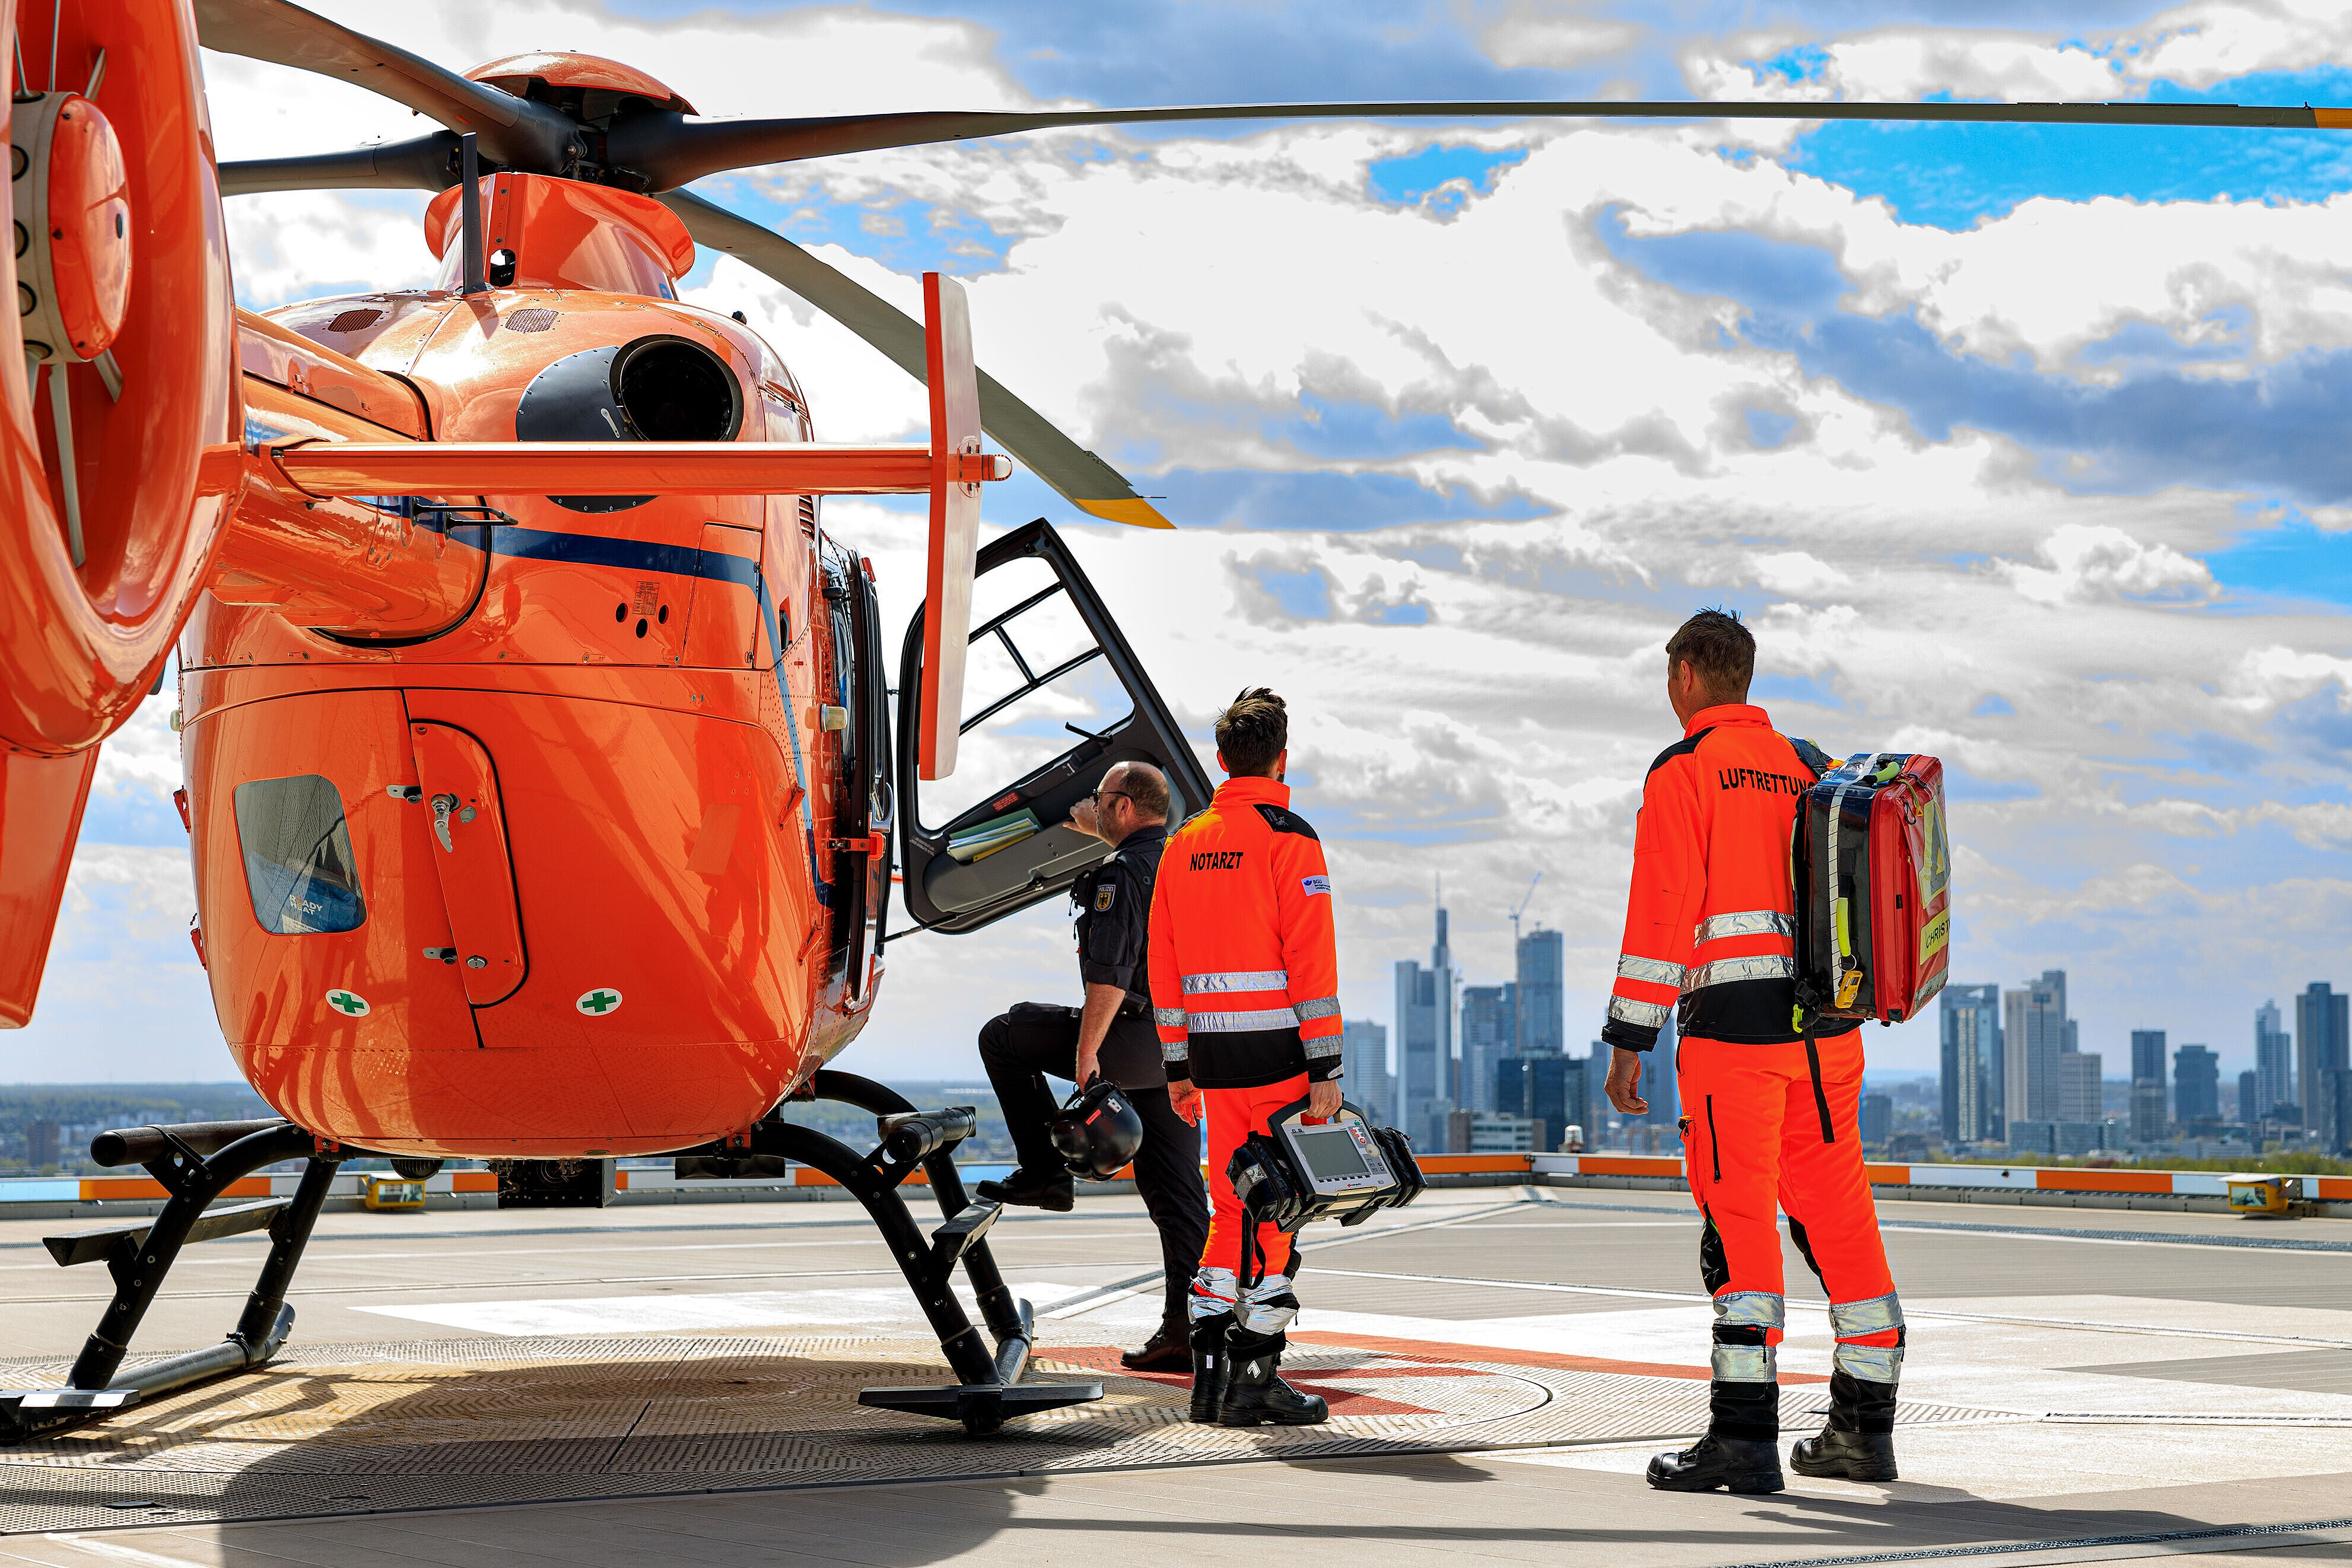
column 1256, row 499
column 1303, row 595
column 1953, row 175
column 1442, row 178
column 1994, row 705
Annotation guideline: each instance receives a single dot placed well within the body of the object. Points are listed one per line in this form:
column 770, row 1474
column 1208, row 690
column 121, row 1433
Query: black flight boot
column 1170, row 1349
column 1209, row 1367
column 1254, row 1397
column 1745, row 1465
column 1741, row 1452
column 1858, row 1444
column 1025, row 1189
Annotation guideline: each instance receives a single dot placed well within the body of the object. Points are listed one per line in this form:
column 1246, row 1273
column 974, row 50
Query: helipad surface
column 639, row 1386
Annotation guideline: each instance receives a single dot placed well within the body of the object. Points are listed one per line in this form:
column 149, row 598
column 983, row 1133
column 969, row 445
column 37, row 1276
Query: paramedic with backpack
column 1769, row 1113
column 1245, row 993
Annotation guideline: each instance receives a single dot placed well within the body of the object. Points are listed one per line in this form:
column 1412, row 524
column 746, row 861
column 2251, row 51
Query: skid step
column 96, row 1245
column 951, row 1241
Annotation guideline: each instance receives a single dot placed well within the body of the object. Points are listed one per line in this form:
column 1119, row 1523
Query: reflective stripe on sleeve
column 1175, row 1050
column 1656, row 971
column 1320, row 1008
column 1748, row 923
column 1237, row 980
column 1237, row 1023
column 1723, row 971
column 1329, row 1045
column 1648, row 1015
column 1168, row 1017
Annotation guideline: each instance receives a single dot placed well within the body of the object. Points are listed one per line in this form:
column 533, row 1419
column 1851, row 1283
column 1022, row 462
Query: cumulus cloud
column 2089, row 561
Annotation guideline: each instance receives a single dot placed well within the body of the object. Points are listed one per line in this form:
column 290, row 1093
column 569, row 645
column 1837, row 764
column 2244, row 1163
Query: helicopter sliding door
column 1047, row 665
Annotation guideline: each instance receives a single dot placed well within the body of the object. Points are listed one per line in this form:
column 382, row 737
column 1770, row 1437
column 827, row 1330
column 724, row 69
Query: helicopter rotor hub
column 69, row 190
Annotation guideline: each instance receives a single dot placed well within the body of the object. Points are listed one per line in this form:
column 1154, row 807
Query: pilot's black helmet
column 1097, row 1132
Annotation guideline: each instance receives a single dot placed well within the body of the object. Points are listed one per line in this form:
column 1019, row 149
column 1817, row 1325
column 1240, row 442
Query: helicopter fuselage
column 531, row 826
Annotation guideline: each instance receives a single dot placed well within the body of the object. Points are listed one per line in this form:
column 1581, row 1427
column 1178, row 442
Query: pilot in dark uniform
column 1111, row 1034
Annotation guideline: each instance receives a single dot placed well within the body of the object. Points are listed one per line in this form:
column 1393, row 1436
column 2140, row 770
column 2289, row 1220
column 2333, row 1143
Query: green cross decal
column 600, row 1002
column 347, row 1003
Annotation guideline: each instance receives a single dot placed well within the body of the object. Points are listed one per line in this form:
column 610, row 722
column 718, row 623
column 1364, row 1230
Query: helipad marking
column 597, row 1003
column 349, row 1003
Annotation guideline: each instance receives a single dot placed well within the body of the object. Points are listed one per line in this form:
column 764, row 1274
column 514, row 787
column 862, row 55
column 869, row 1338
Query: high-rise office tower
column 1364, row 1068
column 2078, row 1087
column 1973, row 1111
column 2148, row 1118
column 1549, row 1090
column 1489, row 1035
column 2196, row 1085
column 1441, row 964
column 2273, row 1068
column 1542, row 1018
column 2248, row 1091
column 1877, row 1120
column 2034, row 1035
column 2323, row 1039
column 1417, row 1062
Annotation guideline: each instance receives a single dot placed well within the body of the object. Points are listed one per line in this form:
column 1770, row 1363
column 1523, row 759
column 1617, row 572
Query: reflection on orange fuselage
column 640, row 793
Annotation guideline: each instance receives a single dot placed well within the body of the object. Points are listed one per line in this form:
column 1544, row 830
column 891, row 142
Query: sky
column 2020, row 446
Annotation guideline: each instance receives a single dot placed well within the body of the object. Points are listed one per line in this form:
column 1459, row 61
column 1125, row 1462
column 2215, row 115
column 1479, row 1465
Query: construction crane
column 1522, row 909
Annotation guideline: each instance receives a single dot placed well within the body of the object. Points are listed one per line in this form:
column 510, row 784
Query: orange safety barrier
column 473, row 1181
column 2103, row 1181
column 98, row 1189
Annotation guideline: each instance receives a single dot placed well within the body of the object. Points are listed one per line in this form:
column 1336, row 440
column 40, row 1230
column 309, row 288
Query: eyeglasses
column 1095, row 796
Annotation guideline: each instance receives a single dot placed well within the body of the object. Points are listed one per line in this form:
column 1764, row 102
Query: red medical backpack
column 1873, row 868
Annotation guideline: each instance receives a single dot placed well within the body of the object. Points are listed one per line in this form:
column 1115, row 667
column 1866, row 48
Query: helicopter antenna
column 1522, row 909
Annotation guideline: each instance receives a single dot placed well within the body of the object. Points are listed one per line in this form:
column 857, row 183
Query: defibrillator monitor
column 1339, row 1157
column 1345, row 1169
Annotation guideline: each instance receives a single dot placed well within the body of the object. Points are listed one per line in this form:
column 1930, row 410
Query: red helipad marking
column 1437, row 1350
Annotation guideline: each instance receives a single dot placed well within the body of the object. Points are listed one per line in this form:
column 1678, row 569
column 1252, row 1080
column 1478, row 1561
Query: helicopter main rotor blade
column 427, row 163
column 1084, row 480
column 670, row 150
column 514, row 132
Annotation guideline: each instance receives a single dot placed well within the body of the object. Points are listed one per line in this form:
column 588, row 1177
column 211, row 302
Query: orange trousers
column 1754, row 1138
column 1234, row 1114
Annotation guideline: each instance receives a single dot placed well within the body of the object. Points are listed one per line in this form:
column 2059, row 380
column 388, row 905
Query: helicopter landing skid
column 990, row 1392
column 195, row 1163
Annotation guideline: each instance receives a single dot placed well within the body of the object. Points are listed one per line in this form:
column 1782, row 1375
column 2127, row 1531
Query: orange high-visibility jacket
column 1710, row 922
column 1244, row 971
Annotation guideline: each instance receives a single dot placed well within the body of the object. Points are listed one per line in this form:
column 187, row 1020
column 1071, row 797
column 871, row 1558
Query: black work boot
column 1858, row 1444
column 1210, row 1367
column 1254, row 1397
column 1170, row 1349
column 1741, row 1452
column 1025, row 1189
column 1745, row 1465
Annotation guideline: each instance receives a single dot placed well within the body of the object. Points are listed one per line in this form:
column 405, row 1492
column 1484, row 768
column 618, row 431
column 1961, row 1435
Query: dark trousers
column 1019, row 1048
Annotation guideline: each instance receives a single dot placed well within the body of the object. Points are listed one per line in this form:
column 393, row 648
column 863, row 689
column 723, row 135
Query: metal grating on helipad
column 441, row 1423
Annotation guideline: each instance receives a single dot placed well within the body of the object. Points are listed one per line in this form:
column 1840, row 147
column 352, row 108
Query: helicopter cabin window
column 1034, row 686
column 298, row 856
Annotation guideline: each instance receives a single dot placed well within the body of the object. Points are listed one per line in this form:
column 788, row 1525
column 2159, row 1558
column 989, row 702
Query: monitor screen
column 1330, row 1153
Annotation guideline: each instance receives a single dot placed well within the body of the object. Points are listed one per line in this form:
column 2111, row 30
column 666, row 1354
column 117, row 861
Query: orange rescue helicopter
column 542, row 779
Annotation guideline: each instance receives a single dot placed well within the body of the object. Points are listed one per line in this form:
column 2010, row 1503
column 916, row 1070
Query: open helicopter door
column 1046, row 663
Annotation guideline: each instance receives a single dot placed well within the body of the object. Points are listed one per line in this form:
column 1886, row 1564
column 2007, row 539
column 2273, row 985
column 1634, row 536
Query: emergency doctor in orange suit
column 1245, row 995
column 1769, row 1112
